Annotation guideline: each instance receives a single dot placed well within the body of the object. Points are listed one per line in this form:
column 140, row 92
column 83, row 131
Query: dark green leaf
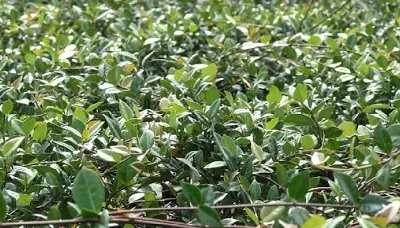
column 88, row 191
column 192, row 193
column 382, row 139
column 348, row 186
column 299, row 185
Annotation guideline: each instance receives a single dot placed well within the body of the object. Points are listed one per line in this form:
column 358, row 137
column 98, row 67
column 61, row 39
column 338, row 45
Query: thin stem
column 305, row 15
column 328, row 17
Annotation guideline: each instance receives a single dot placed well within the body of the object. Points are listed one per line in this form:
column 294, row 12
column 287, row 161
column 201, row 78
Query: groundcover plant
column 210, row 113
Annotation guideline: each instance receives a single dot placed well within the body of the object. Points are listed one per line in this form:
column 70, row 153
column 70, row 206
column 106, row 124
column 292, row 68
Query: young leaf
column 252, row 216
column 88, row 191
column 269, row 214
column 257, row 151
column 12, row 145
column 7, row 107
column 301, row 93
column 28, row 125
column 315, row 221
column 274, row 95
column 348, row 186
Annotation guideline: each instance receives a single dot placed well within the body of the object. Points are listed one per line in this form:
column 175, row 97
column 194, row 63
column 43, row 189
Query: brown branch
column 113, row 219
column 274, row 204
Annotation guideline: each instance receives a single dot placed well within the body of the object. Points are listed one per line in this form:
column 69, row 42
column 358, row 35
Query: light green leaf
column 210, row 72
column 274, row 95
column 11, row 145
column 215, row 164
column 301, row 93
column 315, row 221
column 257, row 151
column 7, row 107
column 271, row 213
column 28, row 125
column 308, row 142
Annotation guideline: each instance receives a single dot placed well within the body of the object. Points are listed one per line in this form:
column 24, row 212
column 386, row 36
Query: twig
column 329, row 16
column 305, row 16
column 274, row 204
column 113, row 219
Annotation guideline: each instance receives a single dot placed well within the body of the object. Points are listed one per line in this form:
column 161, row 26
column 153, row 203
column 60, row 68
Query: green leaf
column 213, row 109
column 146, row 140
column 394, row 132
column 115, row 75
column 372, row 203
column 274, row 95
column 88, row 191
column 40, row 132
column 308, row 142
column 333, row 132
column 348, row 186
column 271, row 213
column 11, row 145
column 255, row 190
column 192, row 193
column 365, row 223
column 383, row 177
column 299, row 215
column 252, row 216
column 209, row 73
column 382, row 139
column 335, row 222
column 273, row 148
column 299, row 185
column 314, row 40
column 80, row 114
column 281, row 174
column 325, row 113
column 299, row 119
column 257, row 151
column 28, row 125
column 114, row 126
column 348, row 129
column 7, row 107
column 271, row 124
column 230, row 144
column 315, row 221
column 290, row 53
column 3, row 207
column 215, row 164
column 301, row 93
column 125, row 110
column 208, row 216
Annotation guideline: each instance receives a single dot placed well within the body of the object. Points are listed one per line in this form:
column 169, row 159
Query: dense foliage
column 290, row 111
